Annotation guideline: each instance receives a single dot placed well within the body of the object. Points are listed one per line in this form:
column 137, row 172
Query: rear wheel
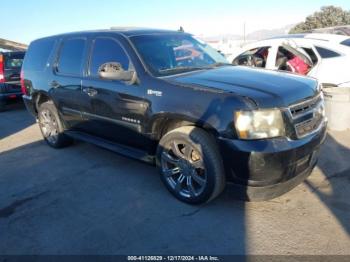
column 190, row 165
column 51, row 126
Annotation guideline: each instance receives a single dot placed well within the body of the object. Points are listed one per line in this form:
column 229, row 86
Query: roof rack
column 126, row 28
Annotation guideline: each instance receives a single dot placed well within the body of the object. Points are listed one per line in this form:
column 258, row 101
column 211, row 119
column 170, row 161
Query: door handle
column 55, row 84
column 90, row 91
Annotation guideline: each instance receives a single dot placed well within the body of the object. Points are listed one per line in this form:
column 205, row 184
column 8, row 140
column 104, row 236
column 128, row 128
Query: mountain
column 220, row 37
column 263, row 34
column 256, row 35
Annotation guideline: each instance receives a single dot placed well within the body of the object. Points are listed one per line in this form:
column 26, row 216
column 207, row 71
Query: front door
column 116, row 109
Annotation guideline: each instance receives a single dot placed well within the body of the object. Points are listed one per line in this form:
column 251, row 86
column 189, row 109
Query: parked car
column 338, row 30
column 203, row 124
column 323, row 56
column 10, row 69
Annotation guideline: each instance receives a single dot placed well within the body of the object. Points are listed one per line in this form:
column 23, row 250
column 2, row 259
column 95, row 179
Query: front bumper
column 264, row 169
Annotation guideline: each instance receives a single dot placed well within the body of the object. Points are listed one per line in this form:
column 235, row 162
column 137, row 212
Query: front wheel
column 190, row 165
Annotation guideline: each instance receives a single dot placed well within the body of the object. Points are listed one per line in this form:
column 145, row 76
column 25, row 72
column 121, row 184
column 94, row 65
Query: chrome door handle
column 90, row 91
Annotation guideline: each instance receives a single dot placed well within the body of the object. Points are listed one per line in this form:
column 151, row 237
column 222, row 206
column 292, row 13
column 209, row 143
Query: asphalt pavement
column 87, row 200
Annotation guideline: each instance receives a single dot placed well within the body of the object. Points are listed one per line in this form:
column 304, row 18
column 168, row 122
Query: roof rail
column 125, row 28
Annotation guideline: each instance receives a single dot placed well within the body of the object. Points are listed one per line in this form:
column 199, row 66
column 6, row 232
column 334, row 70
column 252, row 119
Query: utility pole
column 244, row 32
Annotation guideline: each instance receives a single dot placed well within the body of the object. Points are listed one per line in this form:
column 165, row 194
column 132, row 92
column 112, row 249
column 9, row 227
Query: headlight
column 259, row 124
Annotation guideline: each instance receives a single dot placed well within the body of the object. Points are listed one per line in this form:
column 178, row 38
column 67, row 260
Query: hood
column 266, row 87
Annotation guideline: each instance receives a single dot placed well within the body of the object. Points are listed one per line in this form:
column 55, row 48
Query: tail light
column 23, row 87
column 2, row 71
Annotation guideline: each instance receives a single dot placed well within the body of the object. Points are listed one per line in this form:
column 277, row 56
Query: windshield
column 177, row 53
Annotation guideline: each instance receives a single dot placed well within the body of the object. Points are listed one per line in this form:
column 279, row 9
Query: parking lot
column 86, row 200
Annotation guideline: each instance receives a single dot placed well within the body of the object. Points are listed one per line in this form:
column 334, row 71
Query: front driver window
column 107, row 50
column 256, row 57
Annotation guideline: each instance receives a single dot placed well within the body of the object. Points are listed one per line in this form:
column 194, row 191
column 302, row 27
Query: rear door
column 12, row 65
column 65, row 85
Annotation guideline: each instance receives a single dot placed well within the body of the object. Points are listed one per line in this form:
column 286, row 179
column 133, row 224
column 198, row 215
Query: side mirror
column 114, row 71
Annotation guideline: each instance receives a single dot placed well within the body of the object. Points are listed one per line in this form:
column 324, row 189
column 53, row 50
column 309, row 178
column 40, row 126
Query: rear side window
column 107, row 50
column 326, row 53
column 38, row 55
column 71, row 56
column 346, row 42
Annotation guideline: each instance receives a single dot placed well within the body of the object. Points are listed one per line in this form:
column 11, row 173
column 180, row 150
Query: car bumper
column 10, row 96
column 265, row 169
column 9, row 92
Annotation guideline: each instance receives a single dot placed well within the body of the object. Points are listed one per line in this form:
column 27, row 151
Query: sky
column 32, row 19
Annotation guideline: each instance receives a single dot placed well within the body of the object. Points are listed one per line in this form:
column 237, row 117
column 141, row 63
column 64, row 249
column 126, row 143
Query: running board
column 112, row 146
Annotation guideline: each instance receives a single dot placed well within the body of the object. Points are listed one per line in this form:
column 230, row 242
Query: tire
column 190, row 165
column 51, row 126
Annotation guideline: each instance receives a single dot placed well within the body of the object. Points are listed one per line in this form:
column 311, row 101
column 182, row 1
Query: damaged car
column 165, row 98
column 325, row 57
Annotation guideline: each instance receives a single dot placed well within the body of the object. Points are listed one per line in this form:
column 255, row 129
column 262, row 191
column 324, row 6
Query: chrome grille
column 305, row 106
column 306, row 127
column 308, row 116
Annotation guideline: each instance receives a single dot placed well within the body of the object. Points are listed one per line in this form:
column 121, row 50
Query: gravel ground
column 86, row 200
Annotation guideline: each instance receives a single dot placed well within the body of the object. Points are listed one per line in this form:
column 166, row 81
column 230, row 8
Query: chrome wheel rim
column 183, row 169
column 48, row 126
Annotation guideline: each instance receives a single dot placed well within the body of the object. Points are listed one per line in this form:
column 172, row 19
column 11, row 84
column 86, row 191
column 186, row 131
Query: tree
column 327, row 17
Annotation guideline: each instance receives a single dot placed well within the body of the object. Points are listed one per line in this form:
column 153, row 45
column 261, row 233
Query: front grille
column 308, row 116
column 308, row 126
column 305, row 106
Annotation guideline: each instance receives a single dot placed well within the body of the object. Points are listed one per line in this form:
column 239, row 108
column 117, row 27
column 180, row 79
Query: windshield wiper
column 218, row 65
column 192, row 68
column 181, row 69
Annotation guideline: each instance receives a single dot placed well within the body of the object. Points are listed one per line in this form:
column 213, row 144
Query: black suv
column 10, row 69
column 169, row 99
